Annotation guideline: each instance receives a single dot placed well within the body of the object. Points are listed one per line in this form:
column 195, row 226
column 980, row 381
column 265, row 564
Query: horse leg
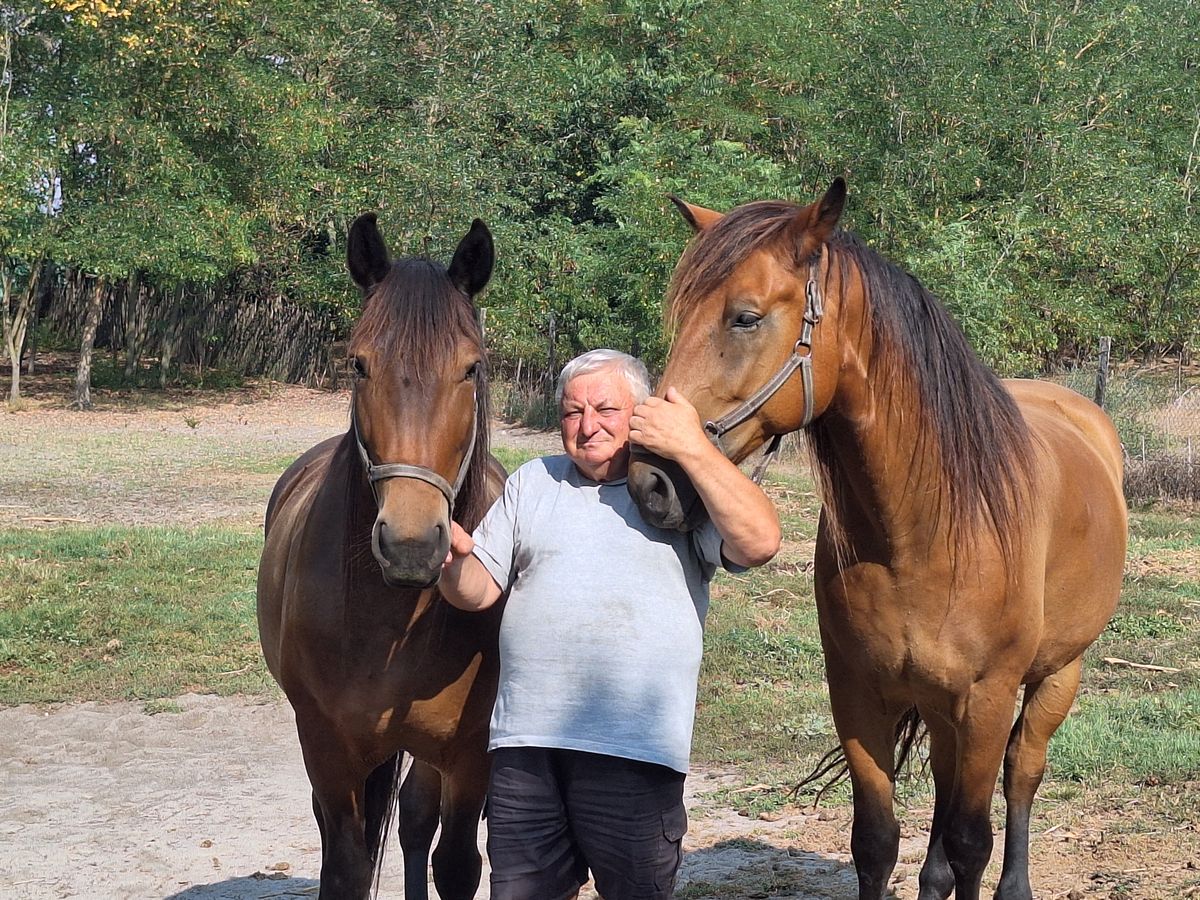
column 456, row 861
column 937, row 878
column 420, row 800
column 982, row 733
column 1046, row 705
column 339, row 798
column 380, row 795
column 869, row 743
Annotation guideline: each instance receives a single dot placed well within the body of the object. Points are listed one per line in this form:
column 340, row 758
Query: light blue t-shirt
column 601, row 637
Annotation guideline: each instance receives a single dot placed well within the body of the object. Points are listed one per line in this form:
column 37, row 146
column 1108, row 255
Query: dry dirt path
column 210, row 802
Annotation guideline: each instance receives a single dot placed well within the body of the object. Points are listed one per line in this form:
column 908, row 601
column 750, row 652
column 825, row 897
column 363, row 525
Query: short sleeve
column 496, row 536
column 706, row 541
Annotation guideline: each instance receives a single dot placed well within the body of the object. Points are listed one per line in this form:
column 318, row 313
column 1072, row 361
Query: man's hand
column 465, row 582
column 669, row 426
column 461, row 544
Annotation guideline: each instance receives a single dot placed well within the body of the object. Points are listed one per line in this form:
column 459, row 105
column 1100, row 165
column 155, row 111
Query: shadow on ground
column 251, row 887
column 750, row 869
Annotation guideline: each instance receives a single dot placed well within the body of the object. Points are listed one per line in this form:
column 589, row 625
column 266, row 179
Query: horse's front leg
column 456, row 861
column 982, row 735
column 866, row 729
column 340, row 802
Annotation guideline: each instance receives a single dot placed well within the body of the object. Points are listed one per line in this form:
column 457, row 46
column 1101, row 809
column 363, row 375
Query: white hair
column 631, row 367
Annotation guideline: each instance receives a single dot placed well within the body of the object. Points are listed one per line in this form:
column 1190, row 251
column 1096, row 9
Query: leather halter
column 420, row 473
column 800, row 358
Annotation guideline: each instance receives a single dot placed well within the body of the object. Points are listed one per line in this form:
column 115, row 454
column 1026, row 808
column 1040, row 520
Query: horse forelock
column 967, row 423
column 716, row 252
column 415, row 318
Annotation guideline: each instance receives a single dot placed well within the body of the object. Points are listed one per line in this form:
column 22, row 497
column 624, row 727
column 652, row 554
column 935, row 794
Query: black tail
column 382, row 789
column 832, row 769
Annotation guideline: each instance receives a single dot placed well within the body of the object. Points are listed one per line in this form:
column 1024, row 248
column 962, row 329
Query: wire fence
column 1156, row 409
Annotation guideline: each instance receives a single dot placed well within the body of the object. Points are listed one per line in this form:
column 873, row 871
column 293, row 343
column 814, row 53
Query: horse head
column 755, row 337
column 419, row 407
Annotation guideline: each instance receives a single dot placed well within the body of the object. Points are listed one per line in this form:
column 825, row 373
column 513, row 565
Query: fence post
column 483, row 324
column 1102, row 370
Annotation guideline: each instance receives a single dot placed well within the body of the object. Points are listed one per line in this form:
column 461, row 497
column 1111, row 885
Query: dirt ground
column 210, row 802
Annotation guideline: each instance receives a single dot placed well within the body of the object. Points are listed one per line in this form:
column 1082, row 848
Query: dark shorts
column 555, row 814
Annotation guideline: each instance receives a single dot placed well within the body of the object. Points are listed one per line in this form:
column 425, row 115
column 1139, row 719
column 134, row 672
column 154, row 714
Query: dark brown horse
column 973, row 532
column 374, row 663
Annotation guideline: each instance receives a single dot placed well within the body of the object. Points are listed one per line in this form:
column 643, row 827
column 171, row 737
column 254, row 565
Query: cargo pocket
column 675, row 822
column 674, row 826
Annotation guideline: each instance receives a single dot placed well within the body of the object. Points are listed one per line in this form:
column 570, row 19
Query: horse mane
column 415, row 315
column 966, row 421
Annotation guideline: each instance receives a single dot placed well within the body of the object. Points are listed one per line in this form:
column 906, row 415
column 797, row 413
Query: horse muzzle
column 408, row 559
column 664, row 495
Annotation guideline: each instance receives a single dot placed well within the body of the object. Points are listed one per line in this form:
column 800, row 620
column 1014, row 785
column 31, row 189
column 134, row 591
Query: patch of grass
column 128, row 613
column 158, row 707
column 513, row 458
column 1150, row 739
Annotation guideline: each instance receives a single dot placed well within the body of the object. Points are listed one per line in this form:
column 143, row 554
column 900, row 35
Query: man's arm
column 742, row 513
column 465, row 582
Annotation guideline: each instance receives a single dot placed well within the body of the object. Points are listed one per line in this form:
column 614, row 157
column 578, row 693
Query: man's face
column 595, row 414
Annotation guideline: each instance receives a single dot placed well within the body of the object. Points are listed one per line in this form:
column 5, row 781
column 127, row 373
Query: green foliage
column 1035, row 165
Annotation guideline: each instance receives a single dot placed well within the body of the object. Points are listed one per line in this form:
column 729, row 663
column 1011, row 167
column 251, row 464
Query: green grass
column 145, row 613
column 512, row 458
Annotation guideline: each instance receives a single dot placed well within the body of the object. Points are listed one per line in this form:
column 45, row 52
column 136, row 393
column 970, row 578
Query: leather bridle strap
column 800, row 358
column 420, row 473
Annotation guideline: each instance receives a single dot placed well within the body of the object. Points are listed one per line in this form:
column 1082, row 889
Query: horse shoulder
column 308, row 469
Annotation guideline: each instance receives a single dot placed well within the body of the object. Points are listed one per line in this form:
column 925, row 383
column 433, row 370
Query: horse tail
column 832, row 769
column 380, row 795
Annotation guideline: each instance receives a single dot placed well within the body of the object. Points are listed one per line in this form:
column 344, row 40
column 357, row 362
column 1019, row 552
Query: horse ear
column 815, row 223
column 830, row 210
column 697, row 216
column 473, row 260
column 366, row 253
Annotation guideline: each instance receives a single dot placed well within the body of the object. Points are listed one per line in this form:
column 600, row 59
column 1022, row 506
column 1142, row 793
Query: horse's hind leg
column 868, row 741
column 937, row 878
column 380, row 797
column 420, row 803
column 456, row 861
column 1046, row 705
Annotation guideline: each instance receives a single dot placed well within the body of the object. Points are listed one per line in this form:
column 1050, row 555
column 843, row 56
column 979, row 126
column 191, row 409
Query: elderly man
column 600, row 640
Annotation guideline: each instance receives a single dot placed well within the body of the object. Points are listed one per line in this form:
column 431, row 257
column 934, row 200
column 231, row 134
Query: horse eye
column 359, row 367
column 746, row 321
column 473, row 372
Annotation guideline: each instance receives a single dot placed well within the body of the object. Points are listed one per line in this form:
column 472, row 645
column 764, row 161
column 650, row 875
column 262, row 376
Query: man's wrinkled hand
column 461, row 544
column 668, row 426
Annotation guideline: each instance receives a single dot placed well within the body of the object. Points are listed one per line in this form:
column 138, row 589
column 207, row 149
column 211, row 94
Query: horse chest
column 899, row 630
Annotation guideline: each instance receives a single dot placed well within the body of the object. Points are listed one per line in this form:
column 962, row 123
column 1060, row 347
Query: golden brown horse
column 371, row 659
column 973, row 532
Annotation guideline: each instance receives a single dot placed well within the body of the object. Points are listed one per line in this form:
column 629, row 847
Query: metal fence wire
column 1157, row 414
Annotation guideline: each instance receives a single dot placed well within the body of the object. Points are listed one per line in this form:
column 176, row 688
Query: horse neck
column 883, row 477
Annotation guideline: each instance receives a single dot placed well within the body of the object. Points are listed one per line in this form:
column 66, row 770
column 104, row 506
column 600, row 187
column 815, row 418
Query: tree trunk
column 83, row 377
column 14, row 322
column 135, row 325
column 170, row 336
